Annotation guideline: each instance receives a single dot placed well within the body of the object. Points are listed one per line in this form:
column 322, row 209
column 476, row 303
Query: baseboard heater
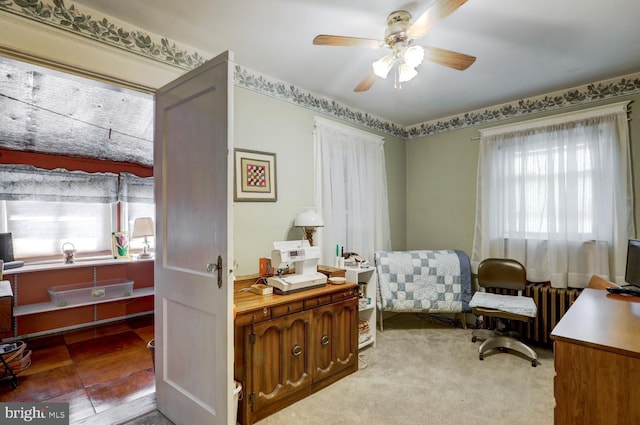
column 552, row 304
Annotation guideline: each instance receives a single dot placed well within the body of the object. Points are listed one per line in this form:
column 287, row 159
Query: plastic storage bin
column 90, row 292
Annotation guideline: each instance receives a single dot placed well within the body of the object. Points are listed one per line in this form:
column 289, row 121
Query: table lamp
column 142, row 228
column 309, row 220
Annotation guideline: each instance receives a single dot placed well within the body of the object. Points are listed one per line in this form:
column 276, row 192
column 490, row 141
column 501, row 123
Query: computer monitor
column 632, row 272
column 6, row 247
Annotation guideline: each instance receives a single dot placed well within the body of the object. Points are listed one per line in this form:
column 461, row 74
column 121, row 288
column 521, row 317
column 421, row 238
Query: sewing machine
column 301, row 256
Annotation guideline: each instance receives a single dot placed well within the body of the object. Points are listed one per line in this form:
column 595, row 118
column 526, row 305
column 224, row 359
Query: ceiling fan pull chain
column 395, row 77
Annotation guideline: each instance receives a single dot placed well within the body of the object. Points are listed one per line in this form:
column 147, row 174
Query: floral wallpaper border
column 621, row 86
column 289, row 93
column 102, row 30
column 588, row 93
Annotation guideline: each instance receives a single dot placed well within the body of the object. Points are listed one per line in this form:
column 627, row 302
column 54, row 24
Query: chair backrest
column 502, row 273
column 598, row 282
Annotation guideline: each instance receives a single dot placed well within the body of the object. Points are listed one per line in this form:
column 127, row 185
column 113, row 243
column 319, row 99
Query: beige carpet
column 426, row 373
column 422, row 372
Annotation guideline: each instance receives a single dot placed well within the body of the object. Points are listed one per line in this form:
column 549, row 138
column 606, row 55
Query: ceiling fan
column 399, row 38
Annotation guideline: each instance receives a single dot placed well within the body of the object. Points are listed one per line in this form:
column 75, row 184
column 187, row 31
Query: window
column 136, row 200
column 351, row 190
column 555, row 194
column 39, row 229
column 541, row 171
column 43, row 209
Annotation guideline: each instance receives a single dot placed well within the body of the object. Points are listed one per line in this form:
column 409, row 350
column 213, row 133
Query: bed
column 423, row 281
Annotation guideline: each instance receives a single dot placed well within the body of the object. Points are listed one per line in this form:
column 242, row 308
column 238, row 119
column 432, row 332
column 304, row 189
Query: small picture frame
column 255, row 176
column 120, row 245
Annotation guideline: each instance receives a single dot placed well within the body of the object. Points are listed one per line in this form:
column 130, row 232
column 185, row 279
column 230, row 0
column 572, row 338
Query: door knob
column 213, row 267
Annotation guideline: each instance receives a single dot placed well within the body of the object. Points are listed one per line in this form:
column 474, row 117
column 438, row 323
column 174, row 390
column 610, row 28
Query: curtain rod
column 478, row 137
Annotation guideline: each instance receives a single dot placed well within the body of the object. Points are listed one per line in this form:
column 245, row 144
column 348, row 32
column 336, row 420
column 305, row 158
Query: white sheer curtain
column 556, row 195
column 351, row 190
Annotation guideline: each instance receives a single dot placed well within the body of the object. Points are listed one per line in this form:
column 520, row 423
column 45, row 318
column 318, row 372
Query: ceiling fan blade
column 339, row 40
column 454, row 60
column 366, row 83
column 439, row 10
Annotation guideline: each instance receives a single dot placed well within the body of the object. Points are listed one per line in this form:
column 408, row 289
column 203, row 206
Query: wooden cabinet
column 289, row 346
column 597, row 361
column 279, row 360
column 334, row 339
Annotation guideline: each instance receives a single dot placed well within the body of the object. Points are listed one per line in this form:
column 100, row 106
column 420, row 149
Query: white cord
column 362, row 363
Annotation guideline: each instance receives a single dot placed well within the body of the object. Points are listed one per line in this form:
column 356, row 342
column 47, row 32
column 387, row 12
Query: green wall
column 441, row 182
column 266, row 124
column 441, row 188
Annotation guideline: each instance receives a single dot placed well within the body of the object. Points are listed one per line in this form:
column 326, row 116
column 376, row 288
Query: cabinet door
column 334, row 338
column 280, row 366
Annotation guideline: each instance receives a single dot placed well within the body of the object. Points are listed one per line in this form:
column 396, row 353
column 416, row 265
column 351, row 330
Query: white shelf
column 79, row 262
column 369, row 307
column 23, row 310
column 368, row 278
column 366, row 343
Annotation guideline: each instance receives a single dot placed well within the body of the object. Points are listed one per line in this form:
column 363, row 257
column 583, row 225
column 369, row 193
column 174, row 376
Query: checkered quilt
column 433, row 281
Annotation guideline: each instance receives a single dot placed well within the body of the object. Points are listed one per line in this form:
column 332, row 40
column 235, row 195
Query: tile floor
column 92, row 369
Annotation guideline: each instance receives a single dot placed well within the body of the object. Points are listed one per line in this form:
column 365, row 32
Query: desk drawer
column 281, row 310
column 343, row 295
column 317, row 301
column 253, row 316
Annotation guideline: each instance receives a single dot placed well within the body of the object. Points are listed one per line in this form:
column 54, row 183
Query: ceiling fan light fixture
column 413, row 56
column 406, row 73
column 382, row 66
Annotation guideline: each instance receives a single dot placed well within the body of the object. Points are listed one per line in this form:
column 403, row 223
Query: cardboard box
column 332, row 271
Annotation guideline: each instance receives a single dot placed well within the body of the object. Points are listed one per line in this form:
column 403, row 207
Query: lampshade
column 413, row 56
column 142, row 226
column 382, row 66
column 406, row 73
column 407, row 57
column 308, row 218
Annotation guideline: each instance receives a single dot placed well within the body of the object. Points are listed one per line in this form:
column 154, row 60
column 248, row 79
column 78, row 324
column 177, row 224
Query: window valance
column 28, row 183
column 136, row 189
column 542, row 124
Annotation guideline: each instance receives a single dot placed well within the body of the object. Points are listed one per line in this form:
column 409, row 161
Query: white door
column 193, row 282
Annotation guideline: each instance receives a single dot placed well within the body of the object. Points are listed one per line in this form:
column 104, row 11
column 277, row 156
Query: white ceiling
column 524, row 48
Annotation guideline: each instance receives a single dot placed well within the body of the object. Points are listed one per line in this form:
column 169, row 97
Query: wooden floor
column 92, row 369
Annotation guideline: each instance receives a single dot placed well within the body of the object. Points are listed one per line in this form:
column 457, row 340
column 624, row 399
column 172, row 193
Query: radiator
column 552, row 304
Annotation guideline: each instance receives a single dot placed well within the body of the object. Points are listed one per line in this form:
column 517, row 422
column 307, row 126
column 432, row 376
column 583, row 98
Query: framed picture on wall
column 255, row 176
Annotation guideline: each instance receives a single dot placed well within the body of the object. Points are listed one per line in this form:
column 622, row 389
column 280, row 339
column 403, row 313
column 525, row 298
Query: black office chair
column 501, row 274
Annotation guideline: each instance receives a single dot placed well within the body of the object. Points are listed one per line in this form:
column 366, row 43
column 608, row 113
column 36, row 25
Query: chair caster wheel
column 474, row 338
column 534, row 363
column 481, row 356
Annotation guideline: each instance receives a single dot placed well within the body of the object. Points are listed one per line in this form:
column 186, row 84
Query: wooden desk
column 290, row 346
column 597, row 361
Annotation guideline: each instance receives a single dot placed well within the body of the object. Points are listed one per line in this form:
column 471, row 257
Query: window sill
column 90, row 262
